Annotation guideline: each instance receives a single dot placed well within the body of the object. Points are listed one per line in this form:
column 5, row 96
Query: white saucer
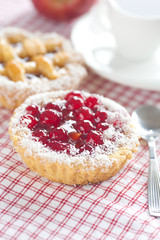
column 97, row 45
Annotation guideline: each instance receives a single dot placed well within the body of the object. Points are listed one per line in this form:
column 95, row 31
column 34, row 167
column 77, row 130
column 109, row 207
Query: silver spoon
column 148, row 123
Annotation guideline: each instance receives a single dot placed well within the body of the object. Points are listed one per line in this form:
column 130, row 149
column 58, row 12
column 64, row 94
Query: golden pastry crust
column 34, row 63
column 77, row 172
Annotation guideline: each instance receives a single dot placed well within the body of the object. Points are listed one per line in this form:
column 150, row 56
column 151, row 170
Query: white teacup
column 135, row 25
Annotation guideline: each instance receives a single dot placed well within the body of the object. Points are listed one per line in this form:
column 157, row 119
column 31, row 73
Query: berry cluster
column 88, row 121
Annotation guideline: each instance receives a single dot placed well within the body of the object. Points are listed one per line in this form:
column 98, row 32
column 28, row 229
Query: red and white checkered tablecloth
column 34, row 208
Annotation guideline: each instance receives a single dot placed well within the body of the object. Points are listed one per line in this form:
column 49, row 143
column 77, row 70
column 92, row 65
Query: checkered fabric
column 34, row 208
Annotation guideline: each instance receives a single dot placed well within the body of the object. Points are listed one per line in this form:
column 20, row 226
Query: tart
column 73, row 137
column 32, row 63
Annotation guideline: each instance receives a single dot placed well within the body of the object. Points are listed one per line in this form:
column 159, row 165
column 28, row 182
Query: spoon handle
column 153, row 181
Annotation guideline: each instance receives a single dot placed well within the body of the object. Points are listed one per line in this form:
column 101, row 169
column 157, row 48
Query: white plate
column 98, row 47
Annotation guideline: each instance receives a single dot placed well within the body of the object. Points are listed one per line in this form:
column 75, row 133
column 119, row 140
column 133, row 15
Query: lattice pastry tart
column 33, row 63
column 73, row 137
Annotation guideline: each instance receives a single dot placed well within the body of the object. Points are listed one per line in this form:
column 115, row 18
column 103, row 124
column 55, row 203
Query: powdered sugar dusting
column 68, row 126
column 121, row 137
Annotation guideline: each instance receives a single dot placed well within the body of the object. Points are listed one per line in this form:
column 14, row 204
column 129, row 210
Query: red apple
column 63, row 9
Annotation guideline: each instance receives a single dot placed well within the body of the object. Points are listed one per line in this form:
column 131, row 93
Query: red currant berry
column 74, row 103
column 30, row 120
column 91, row 102
column 53, row 106
column 59, row 134
column 102, row 126
column 84, row 126
column 41, row 135
column 94, row 138
column 81, row 149
column 51, row 117
column 33, row 110
column 65, row 114
column 68, row 114
column 89, row 148
column 84, row 113
column 100, row 116
column 73, row 94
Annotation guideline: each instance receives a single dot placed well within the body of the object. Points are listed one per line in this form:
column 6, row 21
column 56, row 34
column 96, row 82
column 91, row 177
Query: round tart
column 73, row 137
column 34, row 63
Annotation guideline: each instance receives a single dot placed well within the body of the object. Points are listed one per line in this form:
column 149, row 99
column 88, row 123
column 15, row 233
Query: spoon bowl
column 147, row 119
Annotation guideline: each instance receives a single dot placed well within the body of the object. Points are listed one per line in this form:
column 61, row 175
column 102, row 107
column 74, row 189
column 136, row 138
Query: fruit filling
column 76, row 121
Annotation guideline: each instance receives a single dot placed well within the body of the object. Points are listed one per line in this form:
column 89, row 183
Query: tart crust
column 23, row 52
column 75, row 174
column 76, row 171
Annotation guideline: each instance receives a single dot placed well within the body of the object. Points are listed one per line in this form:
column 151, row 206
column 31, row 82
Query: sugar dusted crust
column 13, row 93
column 61, row 167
